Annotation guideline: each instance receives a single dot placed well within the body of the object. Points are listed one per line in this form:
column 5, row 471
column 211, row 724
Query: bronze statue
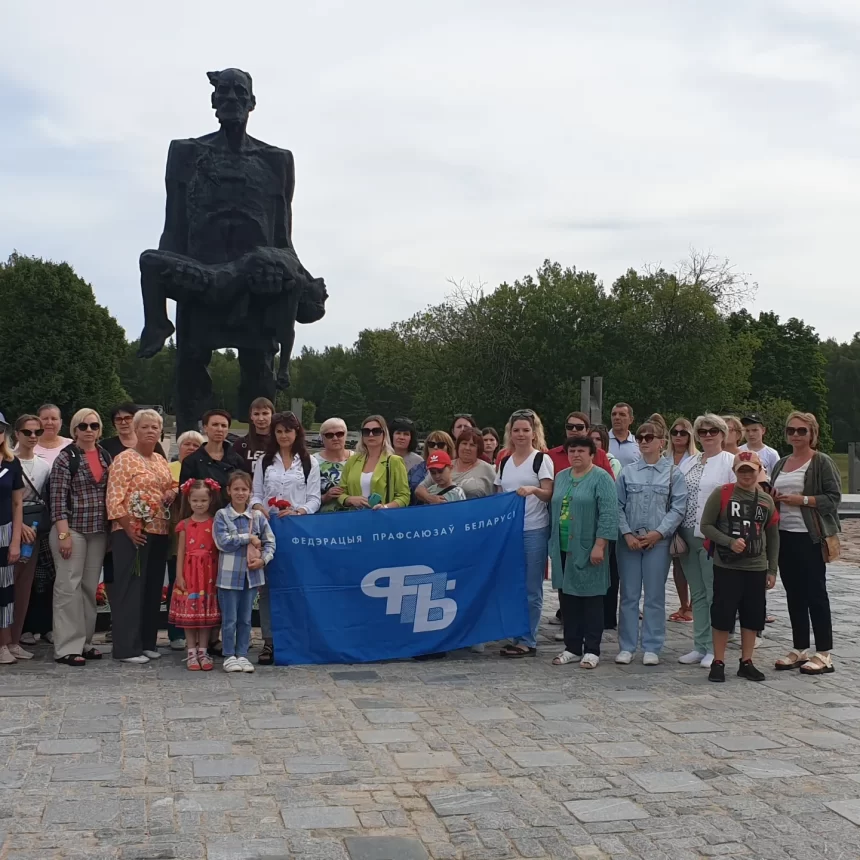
column 226, row 258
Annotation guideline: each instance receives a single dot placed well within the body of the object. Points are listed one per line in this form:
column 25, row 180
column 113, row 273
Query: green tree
column 57, row 344
column 842, row 374
column 344, row 397
column 150, row 380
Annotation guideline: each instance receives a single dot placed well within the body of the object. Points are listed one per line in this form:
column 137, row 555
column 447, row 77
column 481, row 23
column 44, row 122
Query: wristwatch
column 63, row 535
column 806, row 501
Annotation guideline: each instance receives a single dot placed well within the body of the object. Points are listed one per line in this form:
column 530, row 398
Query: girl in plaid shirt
column 247, row 545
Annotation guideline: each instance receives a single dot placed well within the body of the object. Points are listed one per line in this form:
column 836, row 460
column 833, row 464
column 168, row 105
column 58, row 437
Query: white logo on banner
column 416, row 593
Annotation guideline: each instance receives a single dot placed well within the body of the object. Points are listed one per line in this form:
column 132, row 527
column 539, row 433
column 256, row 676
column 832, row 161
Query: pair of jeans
column 583, row 623
column 804, row 577
column 236, row 607
column 643, row 570
column 535, row 544
column 699, row 573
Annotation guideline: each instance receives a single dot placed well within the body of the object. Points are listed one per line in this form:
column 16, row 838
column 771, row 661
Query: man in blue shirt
column 621, row 441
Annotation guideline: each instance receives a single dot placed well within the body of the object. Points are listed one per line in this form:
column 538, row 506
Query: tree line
column 678, row 341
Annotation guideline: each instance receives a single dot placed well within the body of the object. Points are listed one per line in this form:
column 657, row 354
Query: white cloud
column 463, row 139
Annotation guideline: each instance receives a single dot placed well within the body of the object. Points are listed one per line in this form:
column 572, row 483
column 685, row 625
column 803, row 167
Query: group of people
column 608, row 510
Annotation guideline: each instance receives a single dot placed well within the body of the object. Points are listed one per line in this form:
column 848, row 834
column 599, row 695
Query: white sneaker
column 649, row 658
column 478, row 649
column 19, row 653
column 6, row 656
column 27, row 639
column 177, row 644
column 231, row 664
column 153, row 655
column 245, row 664
column 589, row 661
column 559, row 637
column 691, row 658
column 706, row 661
column 141, row 659
column 624, row 657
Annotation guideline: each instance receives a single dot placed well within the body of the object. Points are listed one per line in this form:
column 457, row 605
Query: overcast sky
column 462, row 139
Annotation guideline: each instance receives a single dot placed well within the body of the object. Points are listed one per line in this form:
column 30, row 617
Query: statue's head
column 312, row 302
column 233, row 98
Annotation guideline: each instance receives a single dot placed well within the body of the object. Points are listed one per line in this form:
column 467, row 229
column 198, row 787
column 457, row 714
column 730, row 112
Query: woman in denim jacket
column 652, row 498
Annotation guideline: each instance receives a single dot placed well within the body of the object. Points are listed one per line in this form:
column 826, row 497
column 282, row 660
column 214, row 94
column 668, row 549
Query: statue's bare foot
column 282, row 382
column 153, row 338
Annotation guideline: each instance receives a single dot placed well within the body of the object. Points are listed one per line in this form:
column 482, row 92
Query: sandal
column 205, row 661
column 267, row 655
column 770, row 619
column 92, row 654
column 71, row 660
column 517, row 651
column 192, row 662
column 792, row 660
column 564, row 658
column 818, row 664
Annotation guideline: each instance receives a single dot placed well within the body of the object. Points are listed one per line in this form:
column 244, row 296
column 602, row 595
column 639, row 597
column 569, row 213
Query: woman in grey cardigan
column 808, row 488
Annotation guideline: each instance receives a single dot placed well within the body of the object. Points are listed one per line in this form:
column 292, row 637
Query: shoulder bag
column 36, row 512
column 677, row 546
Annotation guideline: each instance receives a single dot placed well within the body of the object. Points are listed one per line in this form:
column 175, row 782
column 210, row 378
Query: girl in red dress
column 194, row 605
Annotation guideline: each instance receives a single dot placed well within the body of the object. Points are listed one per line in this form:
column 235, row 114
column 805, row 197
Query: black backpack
column 537, row 462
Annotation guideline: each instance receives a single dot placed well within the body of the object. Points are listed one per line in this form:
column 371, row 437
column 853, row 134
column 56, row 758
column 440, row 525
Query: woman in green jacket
column 375, row 477
column 807, row 488
column 584, row 519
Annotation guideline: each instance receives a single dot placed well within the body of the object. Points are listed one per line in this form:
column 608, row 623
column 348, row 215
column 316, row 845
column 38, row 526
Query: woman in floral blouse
column 140, row 492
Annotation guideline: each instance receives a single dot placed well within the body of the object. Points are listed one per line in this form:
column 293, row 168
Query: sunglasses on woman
column 709, row 431
column 796, row 431
column 334, row 434
column 28, row 433
column 679, row 431
column 82, row 427
column 577, row 427
column 371, row 431
column 646, row 437
column 434, row 444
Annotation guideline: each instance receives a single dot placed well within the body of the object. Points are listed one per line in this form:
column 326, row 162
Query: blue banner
column 380, row 585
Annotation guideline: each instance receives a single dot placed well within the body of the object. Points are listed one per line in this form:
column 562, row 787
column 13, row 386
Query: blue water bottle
column 27, row 548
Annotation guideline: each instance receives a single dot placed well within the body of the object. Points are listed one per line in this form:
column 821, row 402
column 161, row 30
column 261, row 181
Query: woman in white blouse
column 703, row 474
column 285, row 473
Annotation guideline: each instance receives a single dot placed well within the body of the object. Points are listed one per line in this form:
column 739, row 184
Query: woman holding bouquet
column 140, row 492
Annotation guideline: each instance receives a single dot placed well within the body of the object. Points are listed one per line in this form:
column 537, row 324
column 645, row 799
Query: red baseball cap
column 439, row 460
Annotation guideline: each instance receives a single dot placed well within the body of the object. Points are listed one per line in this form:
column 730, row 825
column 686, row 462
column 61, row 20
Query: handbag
column 36, row 512
column 831, row 548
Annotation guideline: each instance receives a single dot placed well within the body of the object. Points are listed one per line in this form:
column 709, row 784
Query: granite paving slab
column 319, row 817
column 605, row 809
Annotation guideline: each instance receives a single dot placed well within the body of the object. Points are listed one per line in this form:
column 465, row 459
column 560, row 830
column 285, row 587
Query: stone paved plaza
column 471, row 757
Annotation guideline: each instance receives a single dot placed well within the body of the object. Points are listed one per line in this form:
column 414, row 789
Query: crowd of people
column 609, row 513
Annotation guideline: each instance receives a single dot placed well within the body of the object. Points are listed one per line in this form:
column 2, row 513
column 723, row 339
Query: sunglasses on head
column 709, row 431
column 523, row 413
column 679, row 431
column 578, row 427
column 371, row 431
column 28, row 433
column 334, row 434
column 796, row 431
column 646, row 437
column 436, row 472
column 435, row 444
column 92, row 426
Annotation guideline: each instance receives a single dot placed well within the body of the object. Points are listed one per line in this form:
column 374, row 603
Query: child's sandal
column 192, row 662
column 205, row 661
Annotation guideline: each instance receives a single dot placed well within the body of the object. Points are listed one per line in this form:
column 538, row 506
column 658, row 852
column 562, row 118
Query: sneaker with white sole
column 140, row 659
column 19, row 653
column 589, row 661
column 231, row 664
column 707, row 660
column 153, row 655
column 6, row 656
column 649, row 658
column 27, row 639
column 177, row 644
column 559, row 637
column 692, row 658
column 245, row 664
column 624, row 657
column 478, row 649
